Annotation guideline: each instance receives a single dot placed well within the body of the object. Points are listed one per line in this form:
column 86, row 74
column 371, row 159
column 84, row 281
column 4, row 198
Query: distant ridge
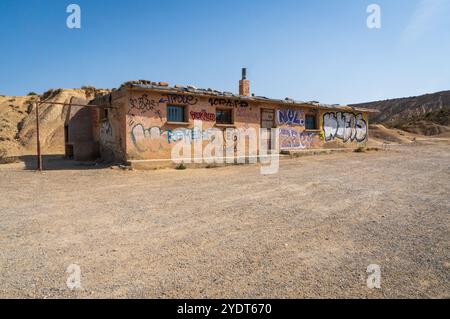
column 409, row 108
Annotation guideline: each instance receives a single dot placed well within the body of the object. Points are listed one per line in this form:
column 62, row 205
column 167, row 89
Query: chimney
column 244, row 84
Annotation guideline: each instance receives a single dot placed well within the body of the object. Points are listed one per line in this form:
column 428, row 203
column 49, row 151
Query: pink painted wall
column 141, row 130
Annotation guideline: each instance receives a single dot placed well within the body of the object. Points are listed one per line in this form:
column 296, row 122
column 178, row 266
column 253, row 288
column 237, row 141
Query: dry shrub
column 181, row 167
column 4, row 159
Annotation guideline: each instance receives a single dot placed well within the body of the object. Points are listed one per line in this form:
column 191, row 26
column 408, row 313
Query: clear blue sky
column 308, row 50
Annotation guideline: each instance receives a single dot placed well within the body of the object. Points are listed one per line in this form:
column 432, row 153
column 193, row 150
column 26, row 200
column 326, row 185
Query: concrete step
column 312, row 152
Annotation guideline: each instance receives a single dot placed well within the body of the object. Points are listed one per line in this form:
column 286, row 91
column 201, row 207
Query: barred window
column 175, row 114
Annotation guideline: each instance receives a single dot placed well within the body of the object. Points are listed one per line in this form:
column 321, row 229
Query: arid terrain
column 309, row 231
column 18, row 121
column 427, row 114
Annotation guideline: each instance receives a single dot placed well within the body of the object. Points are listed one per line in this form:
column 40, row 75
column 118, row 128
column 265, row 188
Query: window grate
column 311, row 122
column 175, row 114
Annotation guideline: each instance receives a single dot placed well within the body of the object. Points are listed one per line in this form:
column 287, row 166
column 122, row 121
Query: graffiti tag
column 345, row 126
column 146, row 139
column 143, row 103
column 203, row 116
column 227, row 102
column 179, row 99
column 106, row 133
column 292, row 139
column 290, row 117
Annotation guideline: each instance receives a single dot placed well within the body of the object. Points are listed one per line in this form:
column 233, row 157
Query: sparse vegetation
column 32, row 94
column 426, row 124
column 5, row 159
column 441, row 117
column 51, row 93
column 88, row 87
column 29, row 108
column 181, row 167
column 398, row 112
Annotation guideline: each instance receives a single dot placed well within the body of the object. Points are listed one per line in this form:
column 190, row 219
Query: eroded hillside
column 427, row 114
column 18, row 121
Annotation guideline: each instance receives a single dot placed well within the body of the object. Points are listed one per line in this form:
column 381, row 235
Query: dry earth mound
column 380, row 134
column 18, row 121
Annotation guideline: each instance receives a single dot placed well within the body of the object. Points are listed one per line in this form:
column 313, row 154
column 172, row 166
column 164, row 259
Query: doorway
column 268, row 122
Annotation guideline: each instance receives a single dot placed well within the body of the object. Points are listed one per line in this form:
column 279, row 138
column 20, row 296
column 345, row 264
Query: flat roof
column 155, row 86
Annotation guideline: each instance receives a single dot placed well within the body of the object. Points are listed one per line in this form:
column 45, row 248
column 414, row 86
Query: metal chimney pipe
column 244, row 73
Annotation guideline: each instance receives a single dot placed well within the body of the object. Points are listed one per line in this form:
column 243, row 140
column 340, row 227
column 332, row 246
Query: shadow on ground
column 59, row 162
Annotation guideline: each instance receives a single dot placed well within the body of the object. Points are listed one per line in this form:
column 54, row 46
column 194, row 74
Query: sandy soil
column 309, row 231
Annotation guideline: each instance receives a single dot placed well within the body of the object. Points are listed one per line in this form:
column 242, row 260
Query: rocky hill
column 18, row 121
column 427, row 114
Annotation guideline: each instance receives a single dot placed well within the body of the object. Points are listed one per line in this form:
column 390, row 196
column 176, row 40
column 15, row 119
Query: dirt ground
column 309, row 231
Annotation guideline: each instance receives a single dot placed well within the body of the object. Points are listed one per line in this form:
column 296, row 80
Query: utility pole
column 38, row 141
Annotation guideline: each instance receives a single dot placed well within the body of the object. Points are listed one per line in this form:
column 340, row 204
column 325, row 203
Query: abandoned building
column 142, row 121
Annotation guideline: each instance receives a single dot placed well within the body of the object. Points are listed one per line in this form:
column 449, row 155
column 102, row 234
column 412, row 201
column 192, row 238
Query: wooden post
column 38, row 141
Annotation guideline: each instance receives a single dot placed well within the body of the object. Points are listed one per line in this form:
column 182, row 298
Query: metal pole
column 38, row 141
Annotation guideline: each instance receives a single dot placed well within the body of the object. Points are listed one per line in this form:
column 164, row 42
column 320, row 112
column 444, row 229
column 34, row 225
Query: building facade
column 145, row 121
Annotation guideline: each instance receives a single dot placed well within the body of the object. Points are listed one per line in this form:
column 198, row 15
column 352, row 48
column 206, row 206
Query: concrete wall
column 148, row 135
column 78, row 132
column 110, row 126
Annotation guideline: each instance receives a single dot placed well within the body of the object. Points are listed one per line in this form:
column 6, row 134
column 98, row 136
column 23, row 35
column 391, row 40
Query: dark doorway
column 268, row 122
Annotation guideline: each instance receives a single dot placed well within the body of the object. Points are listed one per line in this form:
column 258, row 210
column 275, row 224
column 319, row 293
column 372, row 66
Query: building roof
column 177, row 89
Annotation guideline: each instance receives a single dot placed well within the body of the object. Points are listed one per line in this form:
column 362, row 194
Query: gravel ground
column 308, row 232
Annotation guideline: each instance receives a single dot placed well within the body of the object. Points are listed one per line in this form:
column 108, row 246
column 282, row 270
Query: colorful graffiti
column 227, row 102
column 345, row 126
column 178, row 99
column 187, row 134
column 153, row 139
column 291, row 117
column 293, row 139
column 203, row 116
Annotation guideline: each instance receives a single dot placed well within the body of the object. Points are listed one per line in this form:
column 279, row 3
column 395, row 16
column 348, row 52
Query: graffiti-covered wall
column 293, row 132
column 139, row 127
column 110, row 126
column 150, row 134
column 345, row 127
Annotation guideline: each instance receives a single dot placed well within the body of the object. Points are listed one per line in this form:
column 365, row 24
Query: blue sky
column 308, row 50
